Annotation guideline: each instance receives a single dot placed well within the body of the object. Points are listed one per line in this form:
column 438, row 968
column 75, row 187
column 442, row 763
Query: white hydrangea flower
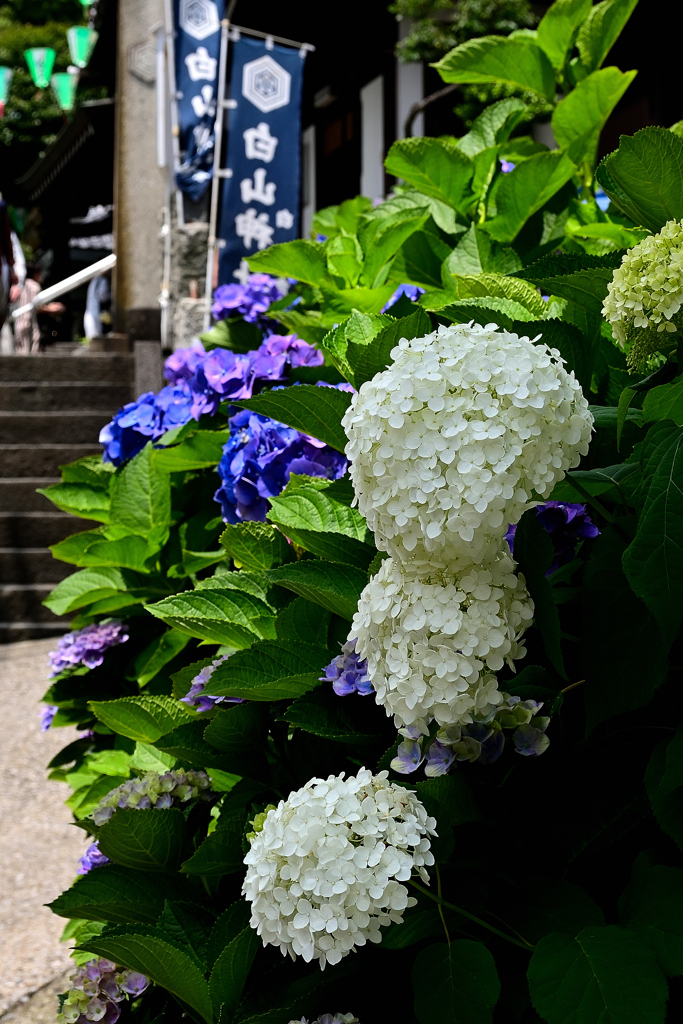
column 324, row 874
column 457, row 438
column 646, row 292
column 433, row 642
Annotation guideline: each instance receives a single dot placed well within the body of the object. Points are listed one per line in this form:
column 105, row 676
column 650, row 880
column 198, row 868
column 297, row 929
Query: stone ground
column 39, row 847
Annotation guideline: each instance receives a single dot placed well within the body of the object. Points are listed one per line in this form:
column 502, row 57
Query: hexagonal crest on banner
column 142, row 61
column 199, row 18
column 266, row 84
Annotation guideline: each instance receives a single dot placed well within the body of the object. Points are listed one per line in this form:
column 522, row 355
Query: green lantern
column 81, row 44
column 40, row 60
column 65, row 84
column 5, row 82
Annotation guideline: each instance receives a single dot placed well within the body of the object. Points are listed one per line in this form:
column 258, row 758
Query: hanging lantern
column 5, row 82
column 87, row 3
column 64, row 85
column 81, row 44
column 40, row 60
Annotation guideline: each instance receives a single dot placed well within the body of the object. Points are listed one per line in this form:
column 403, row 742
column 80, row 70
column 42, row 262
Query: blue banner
column 260, row 201
column 197, row 51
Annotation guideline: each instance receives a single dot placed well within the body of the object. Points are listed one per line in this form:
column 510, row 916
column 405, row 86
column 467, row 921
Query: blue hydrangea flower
column 147, row 418
column 439, row 759
column 182, row 364
column 530, row 741
column 47, row 715
column 154, row 789
column 257, row 462
column 412, row 291
column 92, row 858
column 197, row 698
column 506, row 166
column 250, row 300
column 567, row 524
column 348, row 673
column 86, row 646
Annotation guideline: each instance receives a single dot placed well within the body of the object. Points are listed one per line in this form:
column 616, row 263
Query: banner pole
column 212, row 242
column 173, row 91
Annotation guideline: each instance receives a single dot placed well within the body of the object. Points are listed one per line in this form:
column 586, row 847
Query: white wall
column 308, row 203
column 372, row 138
column 409, row 88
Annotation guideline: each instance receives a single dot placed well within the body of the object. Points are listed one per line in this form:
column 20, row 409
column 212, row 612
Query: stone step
column 21, row 602
column 22, row 460
column 38, row 529
column 116, row 368
column 12, row 632
column 18, row 494
column 54, row 396
column 32, row 565
column 81, row 427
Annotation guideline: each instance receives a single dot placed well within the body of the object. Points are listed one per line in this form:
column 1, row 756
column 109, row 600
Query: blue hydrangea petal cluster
column 257, row 462
column 86, row 646
column 92, row 858
column 567, row 524
column 145, row 419
column 198, row 698
column 250, row 300
column 160, row 791
column 47, row 715
column 412, row 291
column 348, row 673
column 96, row 991
column 483, row 740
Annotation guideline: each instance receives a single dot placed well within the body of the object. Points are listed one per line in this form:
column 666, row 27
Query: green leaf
column 514, row 61
column 144, row 718
column 228, row 926
column 625, row 399
column 489, row 310
column 493, row 126
column 557, row 906
column 231, row 970
column 304, row 507
column 603, row 974
column 145, row 840
column 84, row 801
column 301, row 259
column 526, row 189
column 141, row 498
column 386, row 239
column 477, row 253
column 534, row 553
column 579, row 118
column 113, row 893
column 621, row 651
column 493, row 285
column 664, row 786
column 435, row 167
column 313, row 410
column 558, row 28
column 272, row 670
column 652, row 907
column 162, row 960
column 186, row 744
column 89, row 585
column 653, row 562
column 79, row 499
column 257, row 546
column 457, row 983
column 303, row 620
column 418, row 924
column 333, row 585
column 367, row 360
column 237, row 730
column 221, row 853
column 187, row 925
column 91, row 469
column 201, row 450
column 225, row 617
column 664, row 403
column 644, row 177
column 601, row 29
column 419, row 259
column 235, row 334
column 345, row 258
column 323, row 714
column 581, row 279
column 162, row 650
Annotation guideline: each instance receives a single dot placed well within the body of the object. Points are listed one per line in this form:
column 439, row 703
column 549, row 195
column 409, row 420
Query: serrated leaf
column 644, row 177
column 221, row 853
column 313, row 410
column 271, row 670
column 235, row 334
column 90, row 585
column 497, row 285
column 603, row 974
column 158, row 654
column 515, row 61
column 492, row 126
column 335, row 586
column 456, row 983
column 231, row 970
column 186, row 744
column 141, row 498
column 579, row 118
column 237, row 729
column 257, row 546
column 201, row 450
column 382, row 237
column 366, row 361
column 581, row 279
column 300, row 259
column 309, row 508
column 664, row 403
column 477, row 253
column 323, row 713
column 652, row 907
column 435, row 167
column 558, row 28
column 113, row 893
column 489, row 310
column 144, row 718
column 145, row 840
column 232, row 921
column 601, row 29
column 224, row 616
column 93, row 548
column 526, row 189
column 79, row 499
column 303, row 620
column 419, row 259
column 188, row 925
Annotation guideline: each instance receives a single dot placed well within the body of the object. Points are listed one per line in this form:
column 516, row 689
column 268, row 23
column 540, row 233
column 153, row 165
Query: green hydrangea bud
column 645, row 296
column 258, row 822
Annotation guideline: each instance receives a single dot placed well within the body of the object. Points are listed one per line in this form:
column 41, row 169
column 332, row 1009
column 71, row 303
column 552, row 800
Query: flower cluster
column 324, row 874
column 645, row 295
column 411, row 291
column 92, row 858
column 250, row 300
column 153, row 790
column 97, row 990
column 47, row 715
column 567, row 524
column 348, row 672
column 458, row 436
column 198, row 698
column 434, row 642
column 257, row 462
column 482, row 740
column 145, row 419
column 86, row 646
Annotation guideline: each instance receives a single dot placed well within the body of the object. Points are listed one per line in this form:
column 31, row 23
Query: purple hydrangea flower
column 92, row 858
column 409, row 754
column 96, row 990
column 182, row 364
column 439, row 759
column 86, row 646
column 147, row 418
column 348, row 673
column 250, row 300
column 567, row 524
column 47, row 715
column 530, row 741
column 196, row 696
column 412, row 291
column 257, row 462
column 506, row 166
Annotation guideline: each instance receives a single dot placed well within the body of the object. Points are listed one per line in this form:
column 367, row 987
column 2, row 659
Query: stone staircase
column 52, row 408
